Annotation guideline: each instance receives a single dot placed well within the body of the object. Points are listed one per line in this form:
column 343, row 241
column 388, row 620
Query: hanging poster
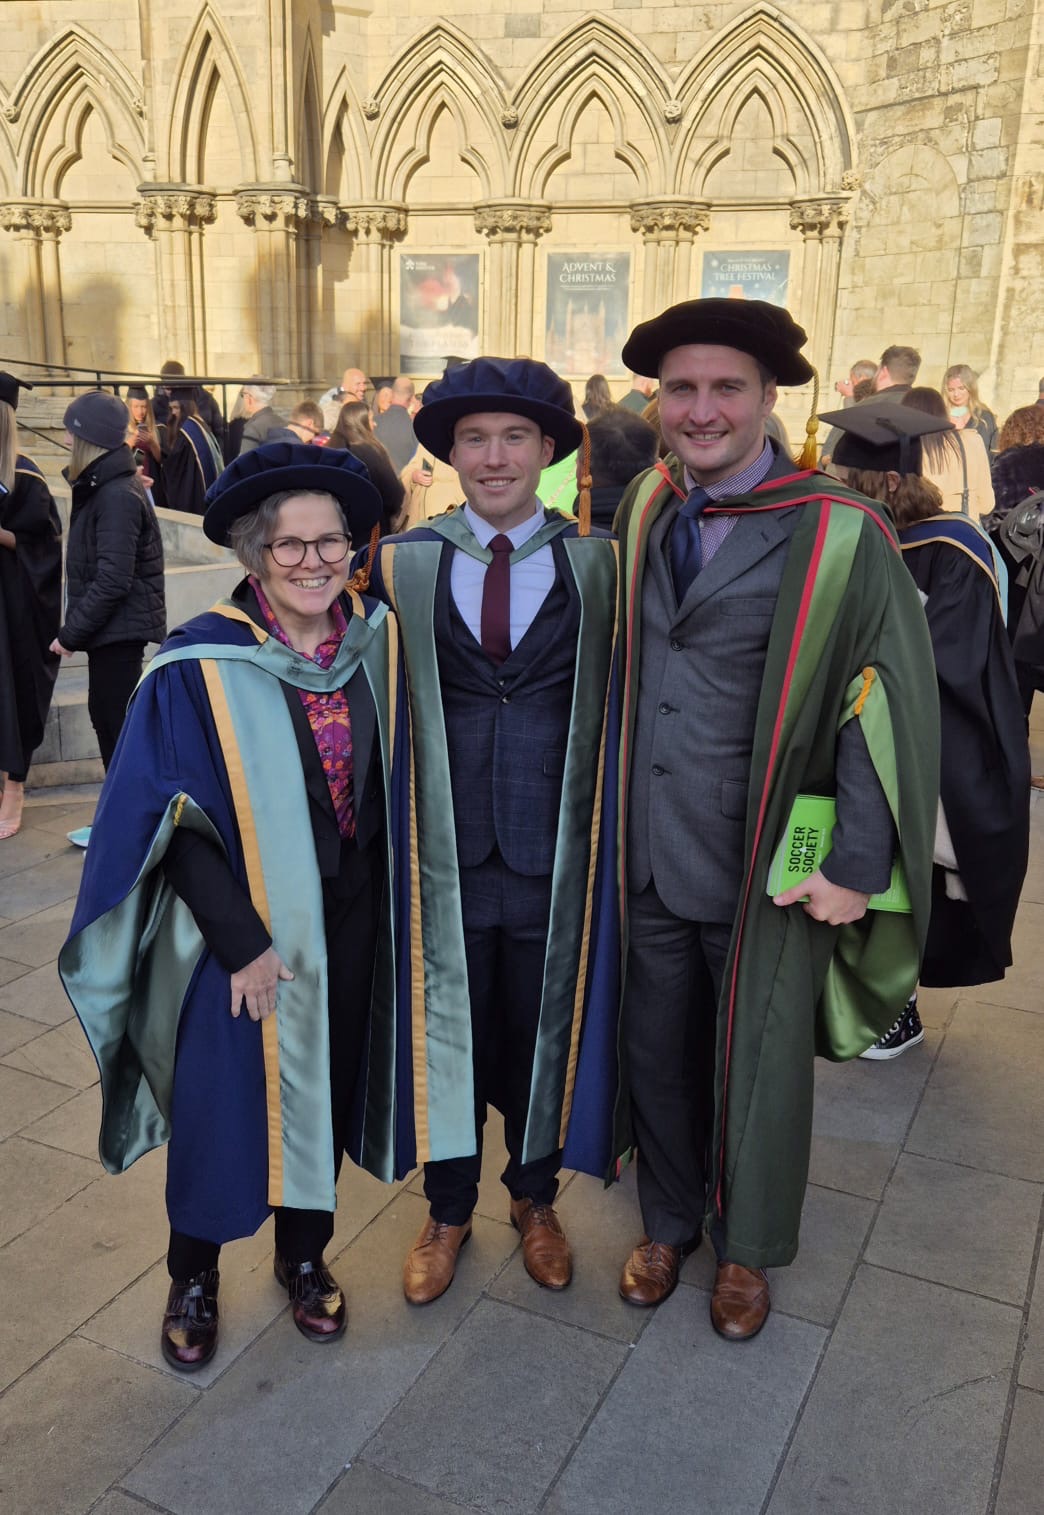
column 587, row 295
column 438, row 309
column 747, row 275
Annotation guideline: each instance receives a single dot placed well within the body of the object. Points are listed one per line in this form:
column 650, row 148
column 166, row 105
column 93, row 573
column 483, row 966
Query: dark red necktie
column 496, row 602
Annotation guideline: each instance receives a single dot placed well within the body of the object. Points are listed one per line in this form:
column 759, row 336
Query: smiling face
column 499, row 458
column 713, row 406
column 301, row 596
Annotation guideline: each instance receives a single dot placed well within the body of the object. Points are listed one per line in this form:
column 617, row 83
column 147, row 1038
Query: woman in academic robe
column 230, row 955
column 192, row 458
column 30, row 607
column 982, row 835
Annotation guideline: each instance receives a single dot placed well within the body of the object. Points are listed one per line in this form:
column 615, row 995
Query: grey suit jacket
column 700, row 681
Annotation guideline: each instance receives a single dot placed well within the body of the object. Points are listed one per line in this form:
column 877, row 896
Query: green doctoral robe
column 848, row 642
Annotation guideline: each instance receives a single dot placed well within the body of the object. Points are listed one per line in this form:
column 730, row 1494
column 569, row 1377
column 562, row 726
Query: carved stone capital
column 267, row 205
column 39, row 217
column 814, row 218
column 513, row 219
column 383, row 223
column 670, row 217
column 325, row 210
column 165, row 204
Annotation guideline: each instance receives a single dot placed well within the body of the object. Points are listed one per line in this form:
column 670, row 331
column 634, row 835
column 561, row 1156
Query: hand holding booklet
column 805, row 845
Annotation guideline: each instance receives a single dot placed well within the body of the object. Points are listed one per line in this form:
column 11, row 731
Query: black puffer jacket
column 114, row 560
column 1017, row 472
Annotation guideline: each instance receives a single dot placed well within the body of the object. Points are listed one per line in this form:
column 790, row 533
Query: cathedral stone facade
column 290, row 186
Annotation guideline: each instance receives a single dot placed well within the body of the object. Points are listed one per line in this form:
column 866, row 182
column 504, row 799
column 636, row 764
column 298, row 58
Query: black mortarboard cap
column 9, row 387
column 881, row 435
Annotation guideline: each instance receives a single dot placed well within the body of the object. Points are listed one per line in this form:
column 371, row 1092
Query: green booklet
column 806, row 842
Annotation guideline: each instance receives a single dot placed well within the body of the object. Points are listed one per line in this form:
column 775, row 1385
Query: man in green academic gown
column 772, row 647
column 506, row 613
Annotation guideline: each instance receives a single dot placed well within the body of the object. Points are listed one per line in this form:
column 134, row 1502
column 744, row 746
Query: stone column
column 315, row 324
column 38, row 225
column 669, row 226
column 513, row 228
column 377, row 227
column 276, row 212
column 173, row 216
column 821, row 223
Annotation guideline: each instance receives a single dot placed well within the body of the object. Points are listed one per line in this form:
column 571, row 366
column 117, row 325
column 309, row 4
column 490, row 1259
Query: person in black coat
column 1018, row 471
column 30, row 606
column 114, row 563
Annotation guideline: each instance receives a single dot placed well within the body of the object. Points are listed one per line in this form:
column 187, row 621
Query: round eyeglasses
column 288, row 552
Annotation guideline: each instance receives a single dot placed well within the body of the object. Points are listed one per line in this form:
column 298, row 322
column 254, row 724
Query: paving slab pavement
column 900, row 1373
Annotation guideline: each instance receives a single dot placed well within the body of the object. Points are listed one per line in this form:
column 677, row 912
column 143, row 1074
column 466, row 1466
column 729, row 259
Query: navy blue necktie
column 686, row 548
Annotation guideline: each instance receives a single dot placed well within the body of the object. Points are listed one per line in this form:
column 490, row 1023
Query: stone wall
column 237, row 184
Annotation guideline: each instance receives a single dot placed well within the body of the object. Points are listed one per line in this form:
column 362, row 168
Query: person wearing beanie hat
column 30, row 606
column 982, row 835
column 773, row 647
column 506, row 614
column 114, row 586
column 231, row 956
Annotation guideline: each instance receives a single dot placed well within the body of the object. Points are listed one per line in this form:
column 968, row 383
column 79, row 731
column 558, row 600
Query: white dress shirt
column 531, row 579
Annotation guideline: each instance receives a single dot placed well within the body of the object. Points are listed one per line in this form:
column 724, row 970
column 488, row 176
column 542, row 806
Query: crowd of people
column 505, row 804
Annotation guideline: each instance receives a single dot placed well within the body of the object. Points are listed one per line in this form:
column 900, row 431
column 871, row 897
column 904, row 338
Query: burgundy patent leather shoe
column 190, row 1323
column 318, row 1304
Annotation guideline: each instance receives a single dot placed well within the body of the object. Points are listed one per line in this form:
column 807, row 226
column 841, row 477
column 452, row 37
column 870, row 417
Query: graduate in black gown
column 982, row 839
column 30, row 606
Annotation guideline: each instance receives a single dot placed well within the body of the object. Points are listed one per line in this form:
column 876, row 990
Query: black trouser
column 112, row 673
column 506, row 918
column 351, row 911
column 672, row 984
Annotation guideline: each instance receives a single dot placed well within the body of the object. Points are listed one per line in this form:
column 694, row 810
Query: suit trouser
column 351, row 906
column 506, row 916
column 672, row 983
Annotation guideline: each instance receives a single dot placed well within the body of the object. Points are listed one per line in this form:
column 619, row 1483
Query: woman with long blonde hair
column 30, row 607
column 964, row 408
column 114, row 564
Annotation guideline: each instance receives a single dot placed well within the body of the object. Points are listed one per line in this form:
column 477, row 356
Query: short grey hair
column 249, row 535
column 263, row 392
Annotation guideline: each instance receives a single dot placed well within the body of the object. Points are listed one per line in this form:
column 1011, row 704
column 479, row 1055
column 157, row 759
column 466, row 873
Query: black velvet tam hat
column 298, row 467
column 767, row 332
column 137, row 392
column 9, row 387
column 520, row 386
column 882, row 436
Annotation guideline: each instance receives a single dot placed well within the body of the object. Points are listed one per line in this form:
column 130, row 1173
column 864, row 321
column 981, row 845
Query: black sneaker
column 906, row 1033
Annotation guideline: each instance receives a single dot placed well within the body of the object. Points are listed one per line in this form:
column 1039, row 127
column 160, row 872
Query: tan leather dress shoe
column 432, row 1260
column 650, row 1274
column 740, row 1303
column 545, row 1250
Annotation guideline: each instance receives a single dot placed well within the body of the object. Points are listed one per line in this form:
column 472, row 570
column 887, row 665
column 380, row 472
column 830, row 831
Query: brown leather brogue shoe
column 318, row 1302
column 190, row 1323
column 545, row 1250
column 650, row 1274
column 432, row 1260
column 740, row 1303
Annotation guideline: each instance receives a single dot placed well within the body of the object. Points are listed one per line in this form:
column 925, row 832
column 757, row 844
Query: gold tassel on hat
column 360, row 579
column 583, row 513
column 808, row 457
